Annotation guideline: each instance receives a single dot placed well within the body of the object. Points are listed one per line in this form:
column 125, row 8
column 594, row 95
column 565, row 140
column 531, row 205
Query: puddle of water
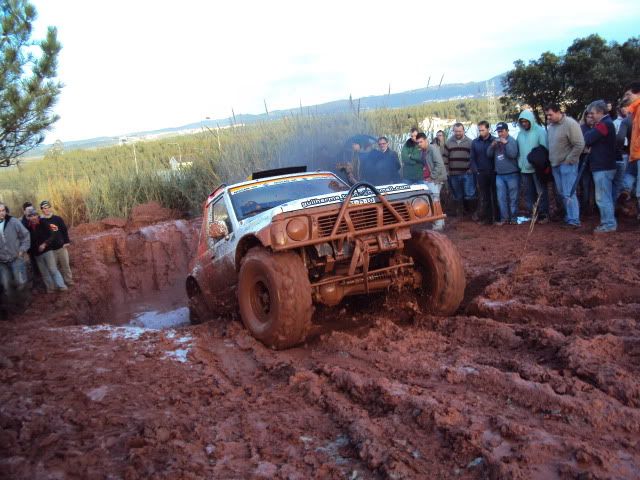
column 158, row 320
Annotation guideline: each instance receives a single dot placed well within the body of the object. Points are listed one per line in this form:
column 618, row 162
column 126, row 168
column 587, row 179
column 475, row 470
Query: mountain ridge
column 445, row 92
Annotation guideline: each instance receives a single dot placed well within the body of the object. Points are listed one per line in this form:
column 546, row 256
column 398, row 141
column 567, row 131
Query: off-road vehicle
column 286, row 239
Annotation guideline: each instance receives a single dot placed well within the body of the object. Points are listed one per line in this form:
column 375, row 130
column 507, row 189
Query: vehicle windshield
column 249, row 200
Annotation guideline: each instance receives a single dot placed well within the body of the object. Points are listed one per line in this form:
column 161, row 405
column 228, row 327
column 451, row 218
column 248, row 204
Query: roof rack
column 277, row 171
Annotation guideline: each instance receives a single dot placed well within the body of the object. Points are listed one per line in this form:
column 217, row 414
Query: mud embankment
column 126, row 267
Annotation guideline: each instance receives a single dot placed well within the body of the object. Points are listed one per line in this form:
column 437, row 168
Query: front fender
column 249, row 241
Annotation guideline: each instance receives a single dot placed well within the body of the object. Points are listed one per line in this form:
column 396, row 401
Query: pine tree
column 28, row 84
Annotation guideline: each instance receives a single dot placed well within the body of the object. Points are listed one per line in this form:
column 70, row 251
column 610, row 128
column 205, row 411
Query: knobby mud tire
column 283, row 280
column 443, row 281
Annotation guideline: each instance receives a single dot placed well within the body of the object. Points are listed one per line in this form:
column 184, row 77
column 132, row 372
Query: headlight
column 297, row 229
column 420, row 207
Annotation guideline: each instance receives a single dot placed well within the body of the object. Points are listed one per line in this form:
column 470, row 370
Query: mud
column 535, row 378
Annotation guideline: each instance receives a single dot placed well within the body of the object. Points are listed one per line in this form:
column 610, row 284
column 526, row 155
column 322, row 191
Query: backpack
column 539, row 160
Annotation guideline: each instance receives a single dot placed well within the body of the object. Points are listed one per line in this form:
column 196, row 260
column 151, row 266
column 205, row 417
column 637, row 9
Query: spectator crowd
column 575, row 163
column 33, row 254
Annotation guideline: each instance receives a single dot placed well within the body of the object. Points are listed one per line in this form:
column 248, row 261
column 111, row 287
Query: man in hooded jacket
column 530, row 136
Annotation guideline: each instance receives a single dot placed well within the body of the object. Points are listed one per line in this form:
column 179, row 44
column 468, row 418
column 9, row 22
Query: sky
column 140, row 65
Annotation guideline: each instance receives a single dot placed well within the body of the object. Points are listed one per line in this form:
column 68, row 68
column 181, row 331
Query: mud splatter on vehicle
column 284, row 242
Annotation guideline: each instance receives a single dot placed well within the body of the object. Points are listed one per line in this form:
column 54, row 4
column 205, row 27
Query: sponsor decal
column 362, row 196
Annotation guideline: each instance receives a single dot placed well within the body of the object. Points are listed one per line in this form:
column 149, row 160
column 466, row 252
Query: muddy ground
column 536, row 378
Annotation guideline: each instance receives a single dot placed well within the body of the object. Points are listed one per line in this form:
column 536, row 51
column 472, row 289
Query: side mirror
column 218, row 230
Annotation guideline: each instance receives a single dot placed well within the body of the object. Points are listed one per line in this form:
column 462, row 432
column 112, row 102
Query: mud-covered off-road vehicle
column 275, row 245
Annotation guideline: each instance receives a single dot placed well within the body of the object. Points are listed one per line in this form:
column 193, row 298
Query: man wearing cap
column 43, row 240
column 566, row 143
column 56, row 223
column 504, row 151
column 14, row 244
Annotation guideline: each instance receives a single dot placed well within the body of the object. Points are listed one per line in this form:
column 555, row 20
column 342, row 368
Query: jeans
column 533, row 188
column 604, row 199
column 13, row 273
column 62, row 260
column 629, row 180
column 565, row 176
column 507, row 188
column 51, row 276
column 435, row 188
column 618, row 181
column 488, row 199
column 463, row 186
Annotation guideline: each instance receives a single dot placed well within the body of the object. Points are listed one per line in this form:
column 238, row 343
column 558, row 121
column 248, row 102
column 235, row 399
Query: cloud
column 141, row 65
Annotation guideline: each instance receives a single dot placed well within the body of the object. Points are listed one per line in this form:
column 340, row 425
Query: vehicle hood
column 359, row 197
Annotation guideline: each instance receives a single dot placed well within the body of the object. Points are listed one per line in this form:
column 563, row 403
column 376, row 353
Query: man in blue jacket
column 601, row 139
column 482, row 165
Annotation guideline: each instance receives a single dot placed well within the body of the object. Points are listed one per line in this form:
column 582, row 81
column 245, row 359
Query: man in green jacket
column 530, row 136
column 410, row 156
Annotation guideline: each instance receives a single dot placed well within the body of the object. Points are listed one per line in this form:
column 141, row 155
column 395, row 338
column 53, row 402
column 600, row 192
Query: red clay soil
column 536, row 378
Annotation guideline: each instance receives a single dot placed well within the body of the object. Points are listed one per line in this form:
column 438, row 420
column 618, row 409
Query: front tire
column 443, row 280
column 274, row 295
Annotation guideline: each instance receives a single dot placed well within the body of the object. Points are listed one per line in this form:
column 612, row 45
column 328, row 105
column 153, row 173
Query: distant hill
column 436, row 93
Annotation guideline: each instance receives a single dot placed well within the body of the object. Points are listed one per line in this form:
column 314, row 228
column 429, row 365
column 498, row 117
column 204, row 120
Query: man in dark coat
column 601, row 139
column 382, row 166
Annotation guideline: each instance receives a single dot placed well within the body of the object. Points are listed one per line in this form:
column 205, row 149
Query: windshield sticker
column 361, row 192
column 279, row 181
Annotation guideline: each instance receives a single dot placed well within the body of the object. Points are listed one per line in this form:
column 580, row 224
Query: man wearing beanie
column 56, row 223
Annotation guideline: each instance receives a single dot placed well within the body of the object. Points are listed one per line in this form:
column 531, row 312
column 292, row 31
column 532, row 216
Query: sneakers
column 500, row 223
column 602, row 229
column 572, row 226
column 63, row 289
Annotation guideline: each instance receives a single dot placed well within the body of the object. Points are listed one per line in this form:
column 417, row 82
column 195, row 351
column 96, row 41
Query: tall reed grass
column 89, row 185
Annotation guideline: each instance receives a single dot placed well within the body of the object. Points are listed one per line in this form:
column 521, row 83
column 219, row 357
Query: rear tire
column 274, row 295
column 443, row 280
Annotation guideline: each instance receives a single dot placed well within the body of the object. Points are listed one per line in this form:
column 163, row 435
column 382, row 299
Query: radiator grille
column 362, row 219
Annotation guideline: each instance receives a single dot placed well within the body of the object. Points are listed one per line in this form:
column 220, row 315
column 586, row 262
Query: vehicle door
column 221, row 272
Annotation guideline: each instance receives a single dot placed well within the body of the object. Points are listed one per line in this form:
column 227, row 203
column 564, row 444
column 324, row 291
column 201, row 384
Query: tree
column 537, row 84
column 591, row 69
column 28, row 85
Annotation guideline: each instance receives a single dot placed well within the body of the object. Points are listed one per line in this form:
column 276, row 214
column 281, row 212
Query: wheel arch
column 245, row 244
column 192, row 286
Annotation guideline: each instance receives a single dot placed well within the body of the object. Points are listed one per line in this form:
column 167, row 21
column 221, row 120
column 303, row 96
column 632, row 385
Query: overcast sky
column 142, row 65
